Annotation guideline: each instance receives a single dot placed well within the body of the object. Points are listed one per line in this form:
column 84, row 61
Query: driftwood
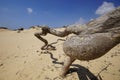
column 92, row 40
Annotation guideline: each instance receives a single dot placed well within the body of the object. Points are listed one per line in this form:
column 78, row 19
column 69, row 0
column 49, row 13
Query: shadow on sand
column 82, row 72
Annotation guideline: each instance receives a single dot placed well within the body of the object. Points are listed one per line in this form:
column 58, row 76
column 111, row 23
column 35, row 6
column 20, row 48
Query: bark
column 107, row 23
column 104, row 23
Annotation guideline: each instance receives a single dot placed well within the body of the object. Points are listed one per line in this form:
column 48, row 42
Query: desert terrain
column 21, row 58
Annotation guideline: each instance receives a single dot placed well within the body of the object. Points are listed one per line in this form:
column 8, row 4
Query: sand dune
column 21, row 59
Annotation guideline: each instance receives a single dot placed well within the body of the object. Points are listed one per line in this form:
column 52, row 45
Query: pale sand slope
column 21, row 59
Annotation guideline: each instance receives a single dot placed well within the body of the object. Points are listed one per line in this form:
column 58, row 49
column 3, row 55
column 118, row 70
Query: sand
column 21, row 59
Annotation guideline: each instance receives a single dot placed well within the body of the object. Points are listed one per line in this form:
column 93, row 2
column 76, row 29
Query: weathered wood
column 92, row 41
column 98, row 25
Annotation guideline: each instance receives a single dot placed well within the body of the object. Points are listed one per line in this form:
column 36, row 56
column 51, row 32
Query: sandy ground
column 21, row 59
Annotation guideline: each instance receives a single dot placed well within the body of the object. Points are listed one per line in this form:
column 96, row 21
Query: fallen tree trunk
column 91, row 41
column 106, row 23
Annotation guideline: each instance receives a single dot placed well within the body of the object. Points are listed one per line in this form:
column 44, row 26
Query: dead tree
column 92, row 41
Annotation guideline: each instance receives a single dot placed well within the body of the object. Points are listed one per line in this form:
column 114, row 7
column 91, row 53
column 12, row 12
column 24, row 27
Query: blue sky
column 54, row 13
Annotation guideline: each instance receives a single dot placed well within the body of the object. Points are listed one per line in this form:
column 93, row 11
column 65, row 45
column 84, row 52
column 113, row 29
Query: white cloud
column 105, row 8
column 29, row 10
column 80, row 21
